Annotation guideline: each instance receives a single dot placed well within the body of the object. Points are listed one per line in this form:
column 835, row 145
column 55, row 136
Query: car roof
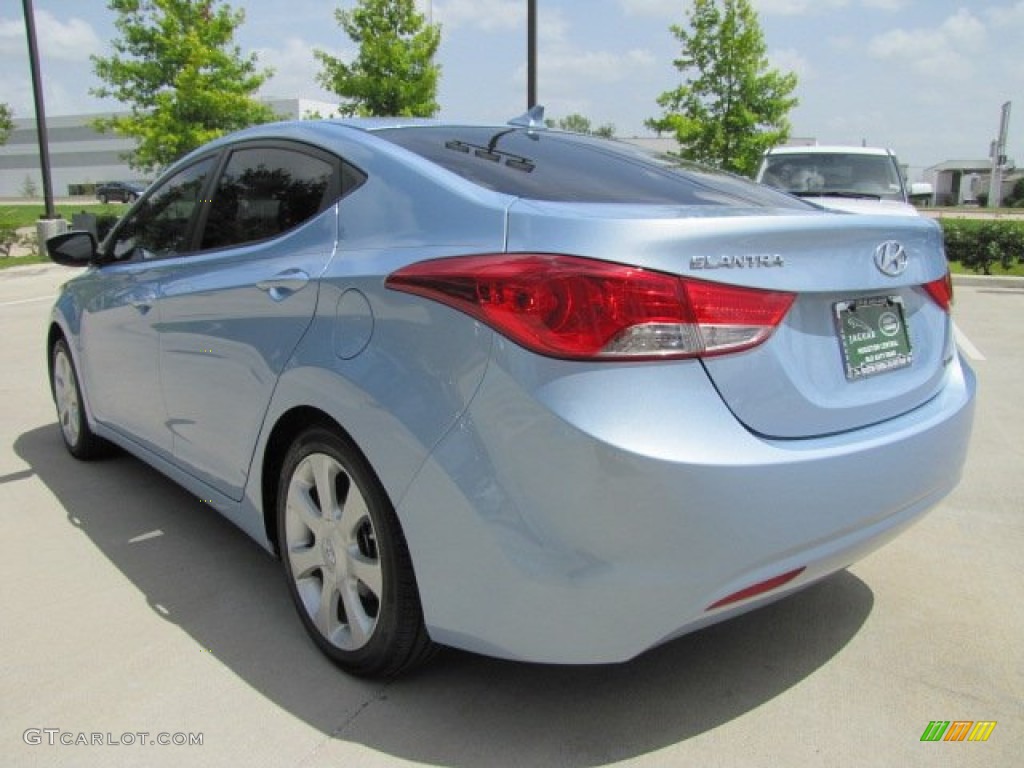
column 829, row 149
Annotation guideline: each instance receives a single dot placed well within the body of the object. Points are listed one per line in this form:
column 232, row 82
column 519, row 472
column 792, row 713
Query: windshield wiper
column 836, row 193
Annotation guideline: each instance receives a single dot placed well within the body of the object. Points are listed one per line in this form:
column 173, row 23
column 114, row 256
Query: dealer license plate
column 873, row 336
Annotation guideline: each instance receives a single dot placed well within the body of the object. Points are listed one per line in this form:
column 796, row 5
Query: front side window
column 160, row 225
column 265, row 191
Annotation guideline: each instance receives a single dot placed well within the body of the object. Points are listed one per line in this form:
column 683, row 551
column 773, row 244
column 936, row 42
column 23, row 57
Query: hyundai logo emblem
column 891, row 258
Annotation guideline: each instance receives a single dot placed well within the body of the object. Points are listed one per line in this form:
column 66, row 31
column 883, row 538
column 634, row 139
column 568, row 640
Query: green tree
column 6, row 123
column 1016, row 196
column 578, row 123
column 394, row 72
column 29, row 189
column 176, row 66
column 731, row 106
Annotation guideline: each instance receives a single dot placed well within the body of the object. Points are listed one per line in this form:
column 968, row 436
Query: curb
column 36, row 268
column 989, row 281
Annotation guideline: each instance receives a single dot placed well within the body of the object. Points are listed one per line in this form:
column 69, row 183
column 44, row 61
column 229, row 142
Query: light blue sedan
column 532, row 394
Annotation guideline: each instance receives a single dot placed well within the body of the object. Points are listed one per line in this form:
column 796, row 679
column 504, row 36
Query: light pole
column 531, row 54
column 995, row 187
column 37, row 92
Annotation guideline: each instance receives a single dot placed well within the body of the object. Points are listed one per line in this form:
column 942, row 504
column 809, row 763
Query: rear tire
column 346, row 561
column 103, row 199
column 79, row 439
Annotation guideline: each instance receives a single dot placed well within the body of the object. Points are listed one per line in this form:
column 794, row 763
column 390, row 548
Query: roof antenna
column 532, row 118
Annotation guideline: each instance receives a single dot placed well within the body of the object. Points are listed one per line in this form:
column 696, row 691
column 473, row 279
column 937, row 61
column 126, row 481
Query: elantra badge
column 891, row 258
column 739, row 261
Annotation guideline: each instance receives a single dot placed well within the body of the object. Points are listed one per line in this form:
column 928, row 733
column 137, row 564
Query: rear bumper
column 587, row 518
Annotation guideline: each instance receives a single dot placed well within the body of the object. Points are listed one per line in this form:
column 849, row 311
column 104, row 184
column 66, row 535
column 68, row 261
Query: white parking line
column 965, row 344
column 25, row 301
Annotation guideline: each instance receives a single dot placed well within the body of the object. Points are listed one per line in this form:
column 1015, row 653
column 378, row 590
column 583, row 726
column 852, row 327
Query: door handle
column 284, row 284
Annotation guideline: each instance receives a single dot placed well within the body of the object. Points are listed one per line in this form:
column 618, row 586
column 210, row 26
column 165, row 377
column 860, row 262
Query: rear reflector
column 581, row 309
column 757, row 589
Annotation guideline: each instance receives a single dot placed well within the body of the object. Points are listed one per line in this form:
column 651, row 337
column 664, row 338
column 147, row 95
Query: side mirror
column 921, row 188
column 72, row 249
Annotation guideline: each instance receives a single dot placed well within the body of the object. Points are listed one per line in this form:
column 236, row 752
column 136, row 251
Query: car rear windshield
column 557, row 166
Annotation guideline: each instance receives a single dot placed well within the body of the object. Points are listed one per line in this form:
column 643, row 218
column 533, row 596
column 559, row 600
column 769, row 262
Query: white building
column 82, row 156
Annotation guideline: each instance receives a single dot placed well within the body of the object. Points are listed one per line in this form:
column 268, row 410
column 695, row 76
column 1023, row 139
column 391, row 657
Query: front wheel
column 79, row 438
column 346, row 561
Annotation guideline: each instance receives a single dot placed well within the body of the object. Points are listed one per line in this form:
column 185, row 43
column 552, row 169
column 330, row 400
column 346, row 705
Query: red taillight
column 941, row 291
column 577, row 308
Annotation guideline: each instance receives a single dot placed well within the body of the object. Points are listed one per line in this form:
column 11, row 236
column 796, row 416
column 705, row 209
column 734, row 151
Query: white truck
column 852, row 179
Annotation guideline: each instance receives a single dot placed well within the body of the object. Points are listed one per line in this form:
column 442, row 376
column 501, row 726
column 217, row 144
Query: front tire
column 346, row 561
column 79, row 438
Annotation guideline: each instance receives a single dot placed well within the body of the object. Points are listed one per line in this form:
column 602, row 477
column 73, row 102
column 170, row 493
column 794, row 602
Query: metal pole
column 531, row 54
column 995, row 187
column 37, row 92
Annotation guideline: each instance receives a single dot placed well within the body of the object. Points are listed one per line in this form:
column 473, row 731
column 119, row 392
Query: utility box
column 47, row 228
column 85, row 222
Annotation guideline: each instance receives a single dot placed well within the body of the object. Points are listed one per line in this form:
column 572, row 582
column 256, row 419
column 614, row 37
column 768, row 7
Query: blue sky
column 925, row 77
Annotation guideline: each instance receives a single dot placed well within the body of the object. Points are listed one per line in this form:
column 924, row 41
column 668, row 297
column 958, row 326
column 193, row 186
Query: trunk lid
column 863, row 342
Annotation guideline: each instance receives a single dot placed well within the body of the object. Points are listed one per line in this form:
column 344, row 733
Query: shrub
column 1016, row 197
column 8, row 239
column 979, row 243
column 104, row 223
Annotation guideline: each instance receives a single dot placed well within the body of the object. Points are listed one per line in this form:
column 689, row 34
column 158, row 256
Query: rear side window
column 547, row 165
column 265, row 191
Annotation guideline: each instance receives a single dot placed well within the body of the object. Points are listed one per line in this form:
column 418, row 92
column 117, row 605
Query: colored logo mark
column 958, row 730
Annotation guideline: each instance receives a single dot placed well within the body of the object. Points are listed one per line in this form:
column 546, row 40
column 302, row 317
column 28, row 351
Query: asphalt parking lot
column 133, row 615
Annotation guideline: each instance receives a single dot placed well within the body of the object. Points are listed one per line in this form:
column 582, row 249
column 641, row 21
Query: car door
column 120, row 318
column 233, row 312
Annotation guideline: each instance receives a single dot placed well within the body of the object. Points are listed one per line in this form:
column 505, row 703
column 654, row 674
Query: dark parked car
column 119, row 191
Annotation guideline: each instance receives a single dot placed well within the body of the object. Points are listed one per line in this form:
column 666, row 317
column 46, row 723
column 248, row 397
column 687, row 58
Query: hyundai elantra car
column 532, row 394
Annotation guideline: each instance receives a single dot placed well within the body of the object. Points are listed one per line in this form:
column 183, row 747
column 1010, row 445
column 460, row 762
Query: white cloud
column 71, row 40
column 677, row 9
column 964, row 30
column 1007, row 16
column 886, row 5
column 946, row 50
column 573, row 77
column 791, row 60
column 295, row 70
column 485, row 14
column 843, row 43
column 658, row 8
column 64, row 49
column 797, row 7
column 564, row 64
column 552, row 26
column 12, row 37
column 596, row 66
